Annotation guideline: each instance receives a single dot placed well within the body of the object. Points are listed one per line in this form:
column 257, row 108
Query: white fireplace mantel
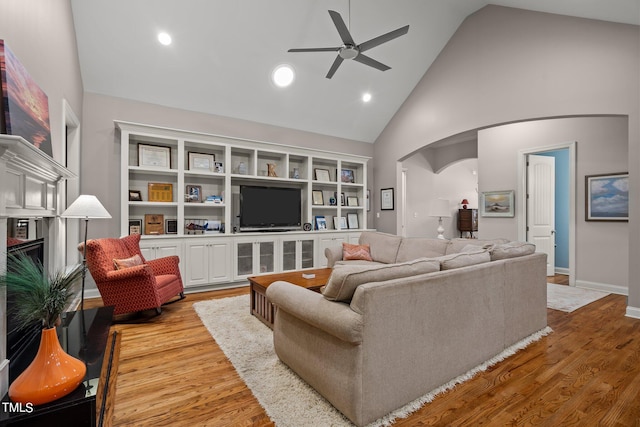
column 30, row 183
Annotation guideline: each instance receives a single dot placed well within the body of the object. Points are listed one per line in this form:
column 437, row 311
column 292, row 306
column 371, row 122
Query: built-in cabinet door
column 208, row 261
column 254, row 256
column 297, row 254
column 328, row 241
column 160, row 248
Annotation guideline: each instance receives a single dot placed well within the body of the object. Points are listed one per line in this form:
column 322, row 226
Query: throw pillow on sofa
column 356, row 252
column 470, row 255
column 511, row 250
column 345, row 279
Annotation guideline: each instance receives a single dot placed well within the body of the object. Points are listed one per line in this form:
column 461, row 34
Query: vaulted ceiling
column 224, row 51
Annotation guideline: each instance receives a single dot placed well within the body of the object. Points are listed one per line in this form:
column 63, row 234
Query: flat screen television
column 270, row 208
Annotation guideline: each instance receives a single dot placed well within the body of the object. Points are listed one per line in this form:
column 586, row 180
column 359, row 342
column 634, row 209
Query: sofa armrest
column 166, row 265
column 333, row 255
column 334, row 318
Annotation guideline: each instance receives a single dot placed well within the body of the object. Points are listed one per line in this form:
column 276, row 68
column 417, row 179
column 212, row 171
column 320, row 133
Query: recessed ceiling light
column 366, row 97
column 283, row 75
column 164, row 39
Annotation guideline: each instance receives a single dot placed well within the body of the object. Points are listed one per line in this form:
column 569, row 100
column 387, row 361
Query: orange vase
column 51, row 375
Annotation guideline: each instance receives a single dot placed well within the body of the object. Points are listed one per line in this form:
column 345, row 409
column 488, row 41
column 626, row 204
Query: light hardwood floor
column 587, row 372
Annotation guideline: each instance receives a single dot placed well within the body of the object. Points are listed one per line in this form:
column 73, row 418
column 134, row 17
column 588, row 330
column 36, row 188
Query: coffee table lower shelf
column 262, row 308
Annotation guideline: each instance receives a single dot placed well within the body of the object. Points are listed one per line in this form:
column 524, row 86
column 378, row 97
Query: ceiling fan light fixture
column 283, row 75
column 164, row 38
column 366, row 97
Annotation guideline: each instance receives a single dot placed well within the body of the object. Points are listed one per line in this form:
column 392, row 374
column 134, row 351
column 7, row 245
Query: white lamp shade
column 86, row 206
column 440, row 208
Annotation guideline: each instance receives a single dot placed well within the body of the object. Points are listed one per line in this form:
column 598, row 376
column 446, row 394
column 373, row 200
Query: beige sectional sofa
column 387, row 332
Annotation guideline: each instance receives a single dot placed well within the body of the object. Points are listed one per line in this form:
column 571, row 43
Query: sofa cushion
column 511, row 250
column 356, row 252
column 345, row 279
column 421, row 247
column 469, row 256
column 456, row 245
column 383, row 246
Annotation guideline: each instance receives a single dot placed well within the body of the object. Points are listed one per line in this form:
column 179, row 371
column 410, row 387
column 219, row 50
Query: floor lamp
column 85, row 207
column 440, row 208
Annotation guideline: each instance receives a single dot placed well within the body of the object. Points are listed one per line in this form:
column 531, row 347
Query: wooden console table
column 87, row 336
column 260, row 305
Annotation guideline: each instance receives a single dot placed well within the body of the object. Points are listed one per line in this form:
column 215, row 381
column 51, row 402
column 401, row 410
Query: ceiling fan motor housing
column 348, row 52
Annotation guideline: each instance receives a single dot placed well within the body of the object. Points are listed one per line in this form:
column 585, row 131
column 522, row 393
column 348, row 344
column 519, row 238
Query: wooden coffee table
column 260, row 305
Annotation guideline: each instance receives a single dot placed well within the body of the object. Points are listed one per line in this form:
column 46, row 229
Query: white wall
column 454, row 183
column 602, row 146
column 506, row 65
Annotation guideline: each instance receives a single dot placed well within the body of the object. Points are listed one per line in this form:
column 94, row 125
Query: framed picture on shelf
column 135, row 196
column 352, row 201
column 153, row 224
column 154, row 156
column 318, row 197
column 201, row 162
column 160, row 192
column 607, row 197
column 340, row 223
column 386, row 199
column 322, row 175
column 497, row 204
column 135, row 226
column 347, row 175
column 171, row 226
column 352, row 220
column 193, row 194
column 321, row 222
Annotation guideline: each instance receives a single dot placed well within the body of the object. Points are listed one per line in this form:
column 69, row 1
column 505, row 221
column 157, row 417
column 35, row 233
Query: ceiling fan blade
column 364, row 59
column 342, row 28
column 383, row 38
column 316, row 49
column 334, row 66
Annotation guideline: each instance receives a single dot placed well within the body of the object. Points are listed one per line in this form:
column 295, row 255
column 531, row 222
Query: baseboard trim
column 604, row 287
column 562, row 270
column 633, row 312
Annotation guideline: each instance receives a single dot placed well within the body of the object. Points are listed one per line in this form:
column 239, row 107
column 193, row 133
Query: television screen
column 270, row 208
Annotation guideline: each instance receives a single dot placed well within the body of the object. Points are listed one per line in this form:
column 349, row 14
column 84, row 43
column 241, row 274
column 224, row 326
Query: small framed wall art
column 321, row 222
column 171, row 226
column 352, row 220
column 352, row 201
column 607, row 197
column 386, row 199
column 497, row 204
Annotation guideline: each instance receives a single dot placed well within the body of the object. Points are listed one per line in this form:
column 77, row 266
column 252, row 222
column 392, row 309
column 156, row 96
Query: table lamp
column 85, row 207
column 440, row 209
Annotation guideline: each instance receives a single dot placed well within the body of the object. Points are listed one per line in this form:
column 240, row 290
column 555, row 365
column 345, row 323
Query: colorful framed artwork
column 497, row 204
column 194, row 194
column 160, row 192
column 347, row 175
column 321, row 222
column 24, row 110
column 607, row 197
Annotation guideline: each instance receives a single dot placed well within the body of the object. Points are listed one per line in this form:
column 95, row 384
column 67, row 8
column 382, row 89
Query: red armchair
column 136, row 288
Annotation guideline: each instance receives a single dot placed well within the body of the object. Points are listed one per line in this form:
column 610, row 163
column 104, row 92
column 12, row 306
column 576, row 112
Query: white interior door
column 541, row 206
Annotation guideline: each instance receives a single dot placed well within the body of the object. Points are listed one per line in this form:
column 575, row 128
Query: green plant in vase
column 36, row 297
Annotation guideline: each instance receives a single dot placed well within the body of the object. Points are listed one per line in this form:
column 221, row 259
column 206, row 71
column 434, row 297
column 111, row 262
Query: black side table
column 84, row 335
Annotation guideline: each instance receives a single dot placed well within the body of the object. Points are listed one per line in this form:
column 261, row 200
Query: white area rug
column 286, row 398
column 570, row 298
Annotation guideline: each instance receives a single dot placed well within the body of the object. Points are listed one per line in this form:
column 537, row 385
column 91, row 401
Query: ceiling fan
column 350, row 50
